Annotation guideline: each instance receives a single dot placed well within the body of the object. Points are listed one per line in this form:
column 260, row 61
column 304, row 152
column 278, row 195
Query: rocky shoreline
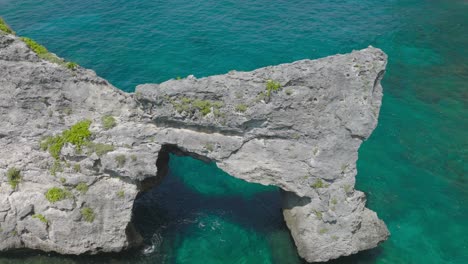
column 76, row 151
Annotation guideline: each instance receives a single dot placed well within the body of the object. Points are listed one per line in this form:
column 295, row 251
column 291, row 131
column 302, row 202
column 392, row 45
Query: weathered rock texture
column 303, row 138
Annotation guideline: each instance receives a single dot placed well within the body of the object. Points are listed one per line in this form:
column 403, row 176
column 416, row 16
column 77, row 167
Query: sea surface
column 413, row 168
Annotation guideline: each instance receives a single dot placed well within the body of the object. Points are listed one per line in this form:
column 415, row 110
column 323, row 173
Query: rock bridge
column 297, row 126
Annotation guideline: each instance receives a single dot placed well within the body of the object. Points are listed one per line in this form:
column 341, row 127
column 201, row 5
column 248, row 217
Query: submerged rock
column 297, row 126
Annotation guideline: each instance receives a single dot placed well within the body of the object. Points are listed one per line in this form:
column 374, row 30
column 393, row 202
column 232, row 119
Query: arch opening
column 195, row 210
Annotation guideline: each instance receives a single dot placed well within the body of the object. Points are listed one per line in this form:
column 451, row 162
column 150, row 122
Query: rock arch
column 297, row 126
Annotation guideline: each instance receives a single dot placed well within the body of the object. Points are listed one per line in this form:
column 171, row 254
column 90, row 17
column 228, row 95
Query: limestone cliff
column 297, row 126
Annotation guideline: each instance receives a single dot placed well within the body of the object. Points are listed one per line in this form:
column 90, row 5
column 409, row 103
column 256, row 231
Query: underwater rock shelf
column 76, row 151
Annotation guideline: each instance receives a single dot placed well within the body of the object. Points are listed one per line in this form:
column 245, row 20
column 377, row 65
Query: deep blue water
column 413, row 168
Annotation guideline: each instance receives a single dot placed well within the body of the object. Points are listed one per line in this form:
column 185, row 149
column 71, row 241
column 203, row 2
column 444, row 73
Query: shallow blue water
column 413, row 168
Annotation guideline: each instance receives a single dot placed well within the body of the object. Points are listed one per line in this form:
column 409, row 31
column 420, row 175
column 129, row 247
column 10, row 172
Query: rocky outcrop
column 297, row 126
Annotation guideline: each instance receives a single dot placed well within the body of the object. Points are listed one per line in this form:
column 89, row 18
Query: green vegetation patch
column 218, row 113
column 99, row 148
column 36, row 47
column 41, row 218
column 318, row 214
column 77, row 168
column 53, row 144
column 56, row 194
column 82, row 187
column 334, row 201
column 322, row 231
column 88, row 214
column 41, row 51
column 183, row 105
column 204, row 106
column 347, row 188
column 190, row 105
column 14, row 177
column 108, row 122
column 318, row 184
column 78, row 135
column 241, row 108
column 217, row 104
column 209, row 147
column 121, row 160
column 272, row 86
column 71, row 65
column 121, row 194
column 4, row 27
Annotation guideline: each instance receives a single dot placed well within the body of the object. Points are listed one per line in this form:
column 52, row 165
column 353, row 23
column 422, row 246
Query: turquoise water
column 413, row 168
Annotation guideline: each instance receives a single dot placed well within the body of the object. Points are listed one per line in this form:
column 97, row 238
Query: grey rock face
column 304, row 138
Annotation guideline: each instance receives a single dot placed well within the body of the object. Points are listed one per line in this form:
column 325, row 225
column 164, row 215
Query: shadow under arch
column 191, row 199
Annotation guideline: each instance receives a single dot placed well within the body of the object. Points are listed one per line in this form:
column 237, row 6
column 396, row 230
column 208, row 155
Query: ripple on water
column 211, row 241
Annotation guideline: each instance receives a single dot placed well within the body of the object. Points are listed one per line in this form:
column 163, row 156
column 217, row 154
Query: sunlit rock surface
column 302, row 136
